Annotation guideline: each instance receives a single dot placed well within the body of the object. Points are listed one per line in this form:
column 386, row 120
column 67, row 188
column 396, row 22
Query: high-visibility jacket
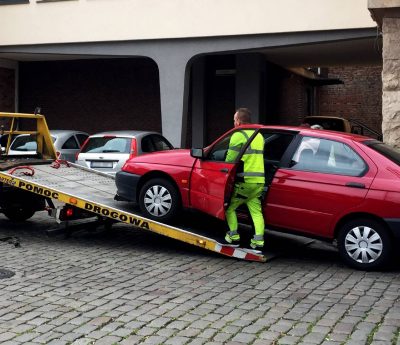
column 253, row 159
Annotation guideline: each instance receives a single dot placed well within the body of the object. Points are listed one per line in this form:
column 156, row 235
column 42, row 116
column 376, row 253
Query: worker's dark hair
column 244, row 115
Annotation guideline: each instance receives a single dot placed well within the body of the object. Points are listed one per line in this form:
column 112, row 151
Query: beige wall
column 102, row 20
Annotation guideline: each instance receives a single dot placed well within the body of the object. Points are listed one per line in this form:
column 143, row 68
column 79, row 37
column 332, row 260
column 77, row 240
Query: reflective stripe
column 250, row 151
column 245, row 135
column 235, row 148
column 250, row 174
column 258, row 238
column 233, row 233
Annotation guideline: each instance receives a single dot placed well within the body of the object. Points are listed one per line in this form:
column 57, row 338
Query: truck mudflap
column 94, row 192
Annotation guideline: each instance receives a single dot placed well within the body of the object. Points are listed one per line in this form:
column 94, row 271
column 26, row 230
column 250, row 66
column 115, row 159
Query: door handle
column 225, row 170
column 355, row 185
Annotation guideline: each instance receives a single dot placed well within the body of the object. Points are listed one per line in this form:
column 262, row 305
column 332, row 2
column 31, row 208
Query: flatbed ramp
column 93, row 191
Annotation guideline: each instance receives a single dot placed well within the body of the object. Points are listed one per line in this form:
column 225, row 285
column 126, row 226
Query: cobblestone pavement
column 133, row 287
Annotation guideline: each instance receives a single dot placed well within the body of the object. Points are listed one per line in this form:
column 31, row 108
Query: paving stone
column 98, row 334
column 313, row 338
column 7, row 336
column 107, row 340
column 288, row 340
column 245, row 338
column 177, row 340
column 94, row 288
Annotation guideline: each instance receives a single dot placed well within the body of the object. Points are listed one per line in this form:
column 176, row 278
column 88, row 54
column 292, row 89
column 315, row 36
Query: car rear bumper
column 394, row 226
column 126, row 185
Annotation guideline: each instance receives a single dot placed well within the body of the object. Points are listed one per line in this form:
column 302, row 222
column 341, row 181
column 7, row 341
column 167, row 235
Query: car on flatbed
column 66, row 142
column 108, row 151
column 322, row 184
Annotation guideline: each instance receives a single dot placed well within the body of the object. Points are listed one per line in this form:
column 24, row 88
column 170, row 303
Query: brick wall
column 359, row 98
column 7, row 90
column 93, row 95
column 292, row 106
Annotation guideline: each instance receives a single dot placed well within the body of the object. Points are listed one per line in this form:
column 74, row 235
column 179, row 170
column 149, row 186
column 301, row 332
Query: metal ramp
column 93, row 191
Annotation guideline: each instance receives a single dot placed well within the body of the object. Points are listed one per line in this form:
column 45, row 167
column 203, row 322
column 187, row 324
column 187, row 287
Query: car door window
column 275, row 146
column 147, row 144
column 81, row 138
column 70, row 144
column 160, row 143
column 219, row 151
column 327, row 156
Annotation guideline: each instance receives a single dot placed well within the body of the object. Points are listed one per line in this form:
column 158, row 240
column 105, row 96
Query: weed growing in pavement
column 370, row 337
column 396, row 336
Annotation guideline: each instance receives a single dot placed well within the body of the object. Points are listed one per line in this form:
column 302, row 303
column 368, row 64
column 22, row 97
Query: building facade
column 183, row 66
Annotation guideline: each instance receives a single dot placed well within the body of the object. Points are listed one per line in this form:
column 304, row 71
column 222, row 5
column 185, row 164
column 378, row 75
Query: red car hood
column 179, row 157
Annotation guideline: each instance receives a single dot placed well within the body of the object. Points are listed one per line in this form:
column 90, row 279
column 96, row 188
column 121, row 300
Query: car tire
column 364, row 244
column 159, row 200
column 18, row 214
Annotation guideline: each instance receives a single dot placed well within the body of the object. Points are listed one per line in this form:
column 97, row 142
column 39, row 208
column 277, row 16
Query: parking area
column 127, row 286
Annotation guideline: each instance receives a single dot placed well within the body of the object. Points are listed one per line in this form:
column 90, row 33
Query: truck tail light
column 70, row 212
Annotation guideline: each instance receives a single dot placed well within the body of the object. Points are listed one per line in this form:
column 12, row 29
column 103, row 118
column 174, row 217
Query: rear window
column 107, row 145
column 330, row 124
column 385, row 150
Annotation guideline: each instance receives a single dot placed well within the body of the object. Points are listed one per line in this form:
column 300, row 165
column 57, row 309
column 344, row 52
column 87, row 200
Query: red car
column 322, row 184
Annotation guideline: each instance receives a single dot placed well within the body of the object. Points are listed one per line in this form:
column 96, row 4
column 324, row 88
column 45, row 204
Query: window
column 160, row 143
column 107, row 145
column 24, row 143
column 155, row 142
column 327, row 156
column 81, row 138
column 220, row 150
column 386, row 150
column 13, row 2
column 70, row 144
column 275, row 145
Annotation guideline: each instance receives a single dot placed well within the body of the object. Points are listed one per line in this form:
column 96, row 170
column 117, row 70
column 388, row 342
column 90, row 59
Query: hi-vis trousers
column 249, row 194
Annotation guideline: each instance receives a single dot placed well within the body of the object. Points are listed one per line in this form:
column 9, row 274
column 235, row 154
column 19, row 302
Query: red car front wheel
column 159, row 200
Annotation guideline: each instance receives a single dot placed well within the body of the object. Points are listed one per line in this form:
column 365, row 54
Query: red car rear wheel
column 364, row 244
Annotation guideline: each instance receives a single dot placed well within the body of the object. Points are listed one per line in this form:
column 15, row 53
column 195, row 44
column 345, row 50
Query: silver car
column 66, row 142
column 108, row 151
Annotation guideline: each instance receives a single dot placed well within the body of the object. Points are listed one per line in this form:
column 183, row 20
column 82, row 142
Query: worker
column 250, row 180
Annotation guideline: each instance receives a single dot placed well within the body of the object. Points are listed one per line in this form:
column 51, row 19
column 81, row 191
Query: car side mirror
column 197, row 153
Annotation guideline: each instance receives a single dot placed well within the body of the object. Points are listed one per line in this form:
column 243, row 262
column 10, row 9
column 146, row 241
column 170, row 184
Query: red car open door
column 212, row 178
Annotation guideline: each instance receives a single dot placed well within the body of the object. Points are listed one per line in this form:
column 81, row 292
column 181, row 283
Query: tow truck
column 35, row 183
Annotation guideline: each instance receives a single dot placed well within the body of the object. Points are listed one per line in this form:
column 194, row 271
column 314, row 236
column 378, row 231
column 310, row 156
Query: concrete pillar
column 174, row 81
column 248, row 83
column 387, row 15
column 391, row 81
column 198, row 103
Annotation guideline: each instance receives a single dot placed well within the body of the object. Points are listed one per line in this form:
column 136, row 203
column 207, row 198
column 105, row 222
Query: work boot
column 232, row 238
column 256, row 244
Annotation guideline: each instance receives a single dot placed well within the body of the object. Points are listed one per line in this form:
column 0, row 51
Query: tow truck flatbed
column 94, row 192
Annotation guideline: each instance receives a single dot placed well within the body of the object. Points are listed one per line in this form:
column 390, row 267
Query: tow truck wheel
column 364, row 244
column 159, row 200
column 18, row 214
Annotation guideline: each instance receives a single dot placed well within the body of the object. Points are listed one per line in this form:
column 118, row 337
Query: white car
column 108, row 151
column 66, row 142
